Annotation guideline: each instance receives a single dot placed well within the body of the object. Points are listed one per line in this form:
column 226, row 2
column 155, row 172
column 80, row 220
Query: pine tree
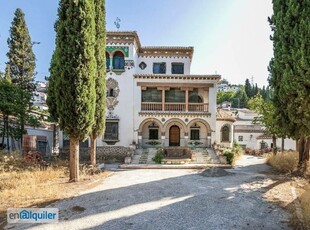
column 21, row 62
column 290, row 71
column 99, row 125
column 76, row 98
column 21, row 57
column 240, row 99
column 10, row 96
column 7, row 74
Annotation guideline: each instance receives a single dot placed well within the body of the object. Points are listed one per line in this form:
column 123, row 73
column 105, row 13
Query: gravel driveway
column 175, row 199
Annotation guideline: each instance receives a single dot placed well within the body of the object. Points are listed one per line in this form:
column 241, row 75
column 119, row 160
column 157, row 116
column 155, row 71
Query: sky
column 230, row 37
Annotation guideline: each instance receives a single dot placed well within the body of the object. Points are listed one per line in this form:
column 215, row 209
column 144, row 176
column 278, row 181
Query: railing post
column 163, row 99
column 186, row 100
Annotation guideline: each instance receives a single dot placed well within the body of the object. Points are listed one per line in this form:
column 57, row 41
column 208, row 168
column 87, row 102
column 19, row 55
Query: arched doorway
column 174, row 136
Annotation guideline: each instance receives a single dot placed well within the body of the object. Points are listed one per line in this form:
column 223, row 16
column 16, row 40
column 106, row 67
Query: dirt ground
column 67, row 191
column 287, row 193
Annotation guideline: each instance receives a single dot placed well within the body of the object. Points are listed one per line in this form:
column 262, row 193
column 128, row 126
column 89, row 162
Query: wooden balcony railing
column 169, row 106
column 175, row 106
column 198, row 107
column 151, row 106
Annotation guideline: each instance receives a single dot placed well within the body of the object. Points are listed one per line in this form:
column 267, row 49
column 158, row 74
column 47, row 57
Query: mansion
column 154, row 101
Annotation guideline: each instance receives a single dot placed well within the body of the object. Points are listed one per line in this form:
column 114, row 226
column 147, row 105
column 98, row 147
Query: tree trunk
column 297, row 145
column 303, row 149
column 2, row 142
column 74, row 160
column 93, row 150
column 7, row 133
column 55, row 140
column 274, row 141
column 4, row 131
column 22, row 127
column 282, row 145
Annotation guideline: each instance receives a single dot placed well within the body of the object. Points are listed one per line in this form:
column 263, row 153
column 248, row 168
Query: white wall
column 150, row 60
column 249, row 139
column 289, row 144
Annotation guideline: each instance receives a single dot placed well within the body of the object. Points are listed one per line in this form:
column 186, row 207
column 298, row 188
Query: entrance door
column 174, row 136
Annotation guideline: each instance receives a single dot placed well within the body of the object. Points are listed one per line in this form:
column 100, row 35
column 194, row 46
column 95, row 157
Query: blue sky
column 230, row 37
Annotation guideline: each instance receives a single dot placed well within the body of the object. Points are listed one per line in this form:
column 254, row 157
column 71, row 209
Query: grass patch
column 26, row 185
column 285, row 162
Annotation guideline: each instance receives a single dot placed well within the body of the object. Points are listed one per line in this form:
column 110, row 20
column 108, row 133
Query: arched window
column 111, row 93
column 107, row 56
column 118, row 60
column 225, row 133
column 194, row 97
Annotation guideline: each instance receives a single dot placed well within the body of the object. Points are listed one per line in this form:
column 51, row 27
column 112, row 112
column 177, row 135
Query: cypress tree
column 21, row 62
column 248, row 88
column 75, row 29
column 99, row 125
column 289, row 71
column 51, row 90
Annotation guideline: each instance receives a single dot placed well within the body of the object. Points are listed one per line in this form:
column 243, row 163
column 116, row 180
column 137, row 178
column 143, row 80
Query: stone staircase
column 151, row 155
column 202, row 156
column 136, row 157
column 144, row 156
column 214, row 158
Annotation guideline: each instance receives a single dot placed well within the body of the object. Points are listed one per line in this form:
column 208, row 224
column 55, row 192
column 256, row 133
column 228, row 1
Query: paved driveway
column 175, row 199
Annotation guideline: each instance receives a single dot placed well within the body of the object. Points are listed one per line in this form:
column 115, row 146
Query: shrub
column 285, row 162
column 229, row 156
column 237, row 148
column 159, row 156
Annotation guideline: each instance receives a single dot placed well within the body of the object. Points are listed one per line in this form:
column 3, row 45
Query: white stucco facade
column 240, row 126
column 151, row 123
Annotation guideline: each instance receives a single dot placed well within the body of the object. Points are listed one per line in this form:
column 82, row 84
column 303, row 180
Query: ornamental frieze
column 112, row 93
column 129, row 64
column 125, row 49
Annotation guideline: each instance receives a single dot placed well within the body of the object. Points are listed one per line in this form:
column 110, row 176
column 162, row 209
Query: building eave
column 178, row 77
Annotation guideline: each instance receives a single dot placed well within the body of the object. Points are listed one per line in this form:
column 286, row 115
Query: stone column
column 186, row 100
column 140, row 139
column 163, row 99
column 186, row 139
column 231, row 135
column 163, row 138
column 111, row 62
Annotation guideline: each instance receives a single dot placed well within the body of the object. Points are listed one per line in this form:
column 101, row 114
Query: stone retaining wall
column 106, row 154
column 177, row 152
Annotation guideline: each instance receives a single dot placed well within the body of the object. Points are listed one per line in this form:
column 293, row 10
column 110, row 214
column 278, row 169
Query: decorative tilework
column 125, row 49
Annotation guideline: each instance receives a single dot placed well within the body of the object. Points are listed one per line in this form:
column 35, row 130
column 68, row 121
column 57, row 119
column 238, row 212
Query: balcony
column 174, row 107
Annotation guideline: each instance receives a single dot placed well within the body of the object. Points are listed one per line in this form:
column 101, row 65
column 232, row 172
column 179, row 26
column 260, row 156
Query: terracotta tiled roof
column 264, row 137
column 224, row 115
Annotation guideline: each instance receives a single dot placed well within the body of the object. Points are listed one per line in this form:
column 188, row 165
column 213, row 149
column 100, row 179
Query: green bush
column 159, row 156
column 237, row 148
column 229, row 156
